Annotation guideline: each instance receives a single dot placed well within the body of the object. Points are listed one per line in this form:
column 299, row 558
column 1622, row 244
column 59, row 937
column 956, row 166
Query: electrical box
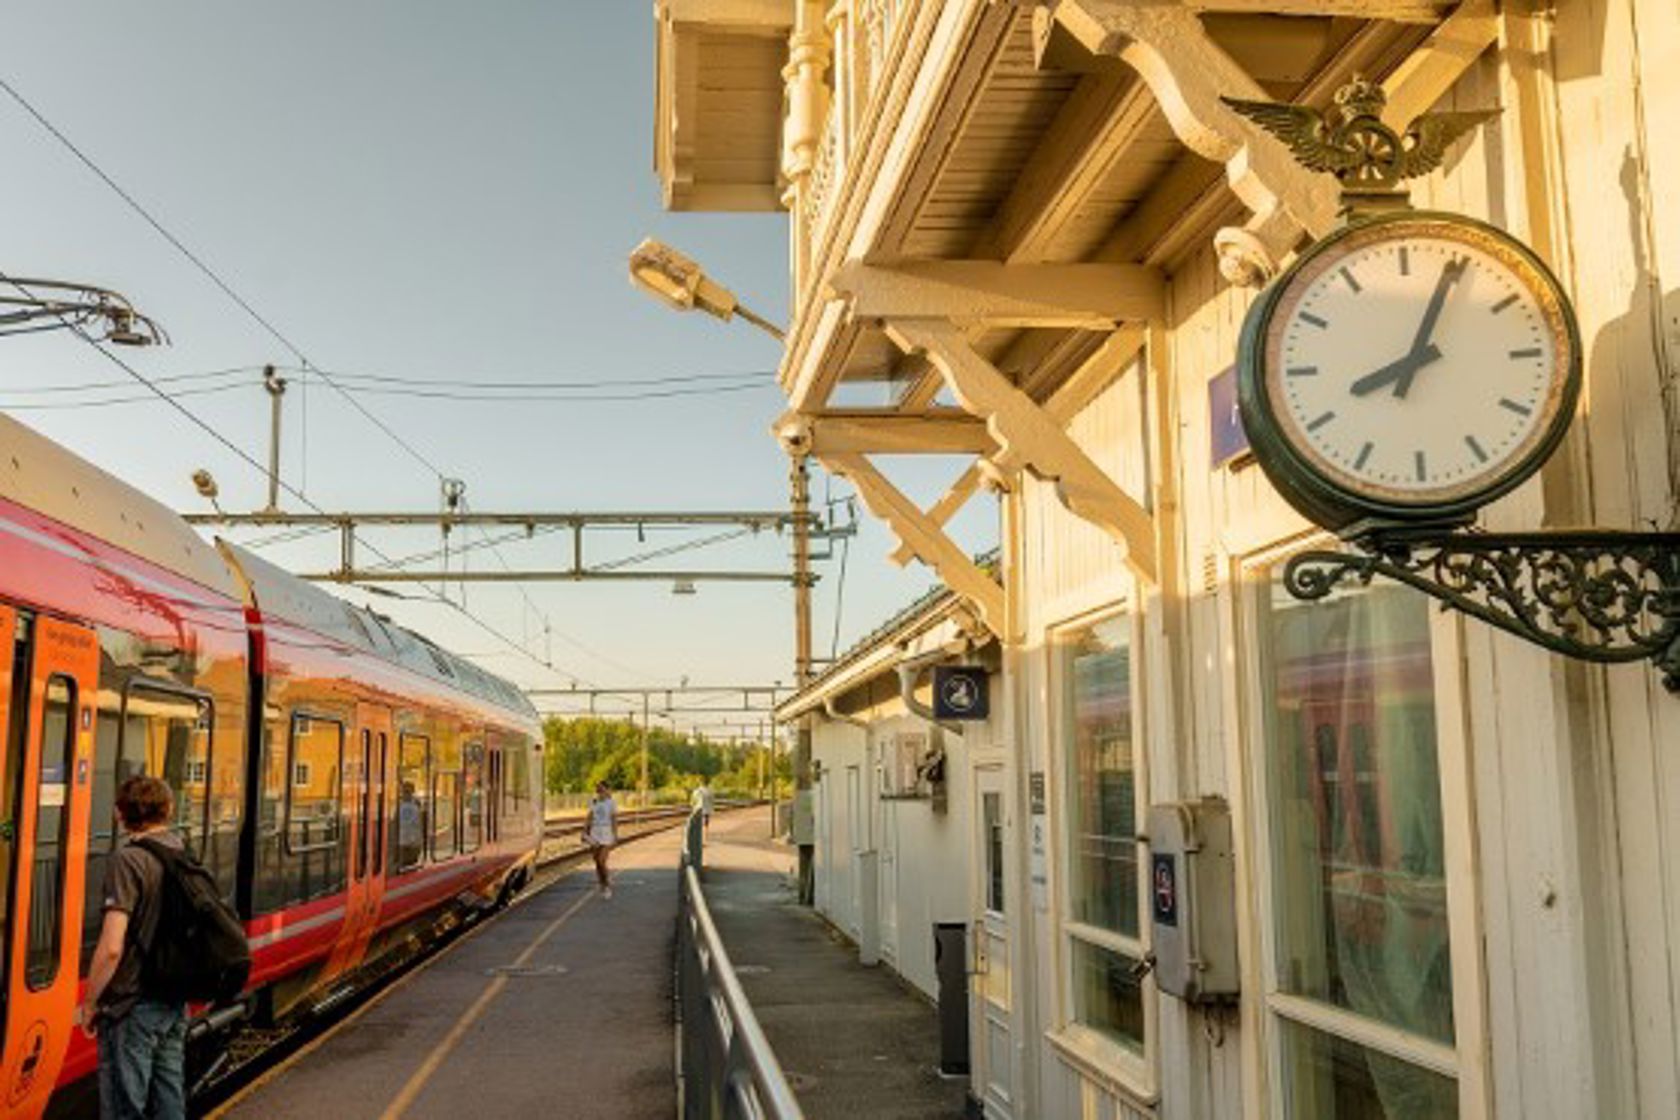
column 1192, row 900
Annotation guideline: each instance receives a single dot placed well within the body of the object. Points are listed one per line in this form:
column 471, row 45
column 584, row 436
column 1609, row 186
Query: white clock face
column 1418, row 362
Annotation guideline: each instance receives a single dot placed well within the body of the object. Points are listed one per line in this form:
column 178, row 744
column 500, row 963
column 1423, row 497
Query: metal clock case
column 1408, row 369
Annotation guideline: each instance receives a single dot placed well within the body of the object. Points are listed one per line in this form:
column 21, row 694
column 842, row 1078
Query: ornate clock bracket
column 1601, row 596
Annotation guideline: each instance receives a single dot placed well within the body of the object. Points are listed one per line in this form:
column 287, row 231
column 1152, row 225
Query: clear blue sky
column 425, row 190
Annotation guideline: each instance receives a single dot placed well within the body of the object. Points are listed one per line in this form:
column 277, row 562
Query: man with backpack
column 167, row 938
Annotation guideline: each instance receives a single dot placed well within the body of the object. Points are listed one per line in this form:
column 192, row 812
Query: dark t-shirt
column 134, row 885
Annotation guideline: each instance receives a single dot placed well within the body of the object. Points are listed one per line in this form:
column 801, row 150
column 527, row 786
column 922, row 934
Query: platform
column 853, row 1041
column 563, row 1007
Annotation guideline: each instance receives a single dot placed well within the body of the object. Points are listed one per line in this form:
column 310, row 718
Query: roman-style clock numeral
column 1422, row 466
column 1526, row 352
column 1514, row 406
column 1364, row 456
column 1504, row 303
column 1476, row 449
column 1321, row 421
column 1309, row 317
column 1347, row 275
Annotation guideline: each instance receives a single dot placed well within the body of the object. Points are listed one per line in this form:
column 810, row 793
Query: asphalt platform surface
column 562, row 1007
column 559, row 1008
column 855, row 1042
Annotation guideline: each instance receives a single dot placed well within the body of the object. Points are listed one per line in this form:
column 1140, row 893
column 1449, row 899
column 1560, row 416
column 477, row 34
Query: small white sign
column 1038, row 841
column 52, row 795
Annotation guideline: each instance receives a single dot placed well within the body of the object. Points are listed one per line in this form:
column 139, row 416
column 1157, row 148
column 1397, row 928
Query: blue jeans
column 142, row 1059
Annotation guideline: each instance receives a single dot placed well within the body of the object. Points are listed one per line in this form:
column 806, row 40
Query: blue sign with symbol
column 1227, row 440
column 959, row 692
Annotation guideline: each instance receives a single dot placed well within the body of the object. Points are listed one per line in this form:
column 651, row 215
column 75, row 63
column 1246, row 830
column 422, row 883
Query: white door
column 989, row 993
column 856, row 830
column 826, row 865
column 889, row 880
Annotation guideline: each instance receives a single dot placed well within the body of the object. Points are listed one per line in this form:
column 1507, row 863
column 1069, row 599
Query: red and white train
column 354, row 788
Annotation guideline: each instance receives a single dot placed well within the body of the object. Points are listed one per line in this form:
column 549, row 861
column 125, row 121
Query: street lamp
column 44, row 305
column 678, row 281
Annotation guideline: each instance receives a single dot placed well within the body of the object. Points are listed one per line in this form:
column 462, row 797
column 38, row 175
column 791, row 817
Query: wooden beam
column 927, row 541
column 1398, row 11
column 945, row 432
column 1092, row 296
column 1189, row 73
column 1029, row 439
column 1075, row 392
column 1434, row 68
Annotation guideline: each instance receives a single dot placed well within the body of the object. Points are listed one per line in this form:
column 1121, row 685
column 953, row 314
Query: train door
column 365, row 789
column 47, row 693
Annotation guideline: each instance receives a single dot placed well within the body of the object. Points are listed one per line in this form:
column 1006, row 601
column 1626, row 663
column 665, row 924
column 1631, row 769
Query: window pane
column 174, row 744
column 443, row 814
column 1106, row 995
column 1330, row 1078
column 312, row 817
column 472, row 798
column 1357, row 849
column 412, row 784
column 52, row 833
column 1102, row 784
column 992, row 812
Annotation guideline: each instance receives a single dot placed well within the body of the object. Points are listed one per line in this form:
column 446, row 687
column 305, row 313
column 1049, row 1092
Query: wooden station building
column 1027, row 234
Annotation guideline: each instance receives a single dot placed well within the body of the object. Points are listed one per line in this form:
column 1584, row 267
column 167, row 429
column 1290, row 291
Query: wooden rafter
column 927, row 541
column 1093, row 296
column 1029, row 439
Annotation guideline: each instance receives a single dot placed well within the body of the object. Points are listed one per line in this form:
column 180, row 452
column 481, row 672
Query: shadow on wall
column 1643, row 344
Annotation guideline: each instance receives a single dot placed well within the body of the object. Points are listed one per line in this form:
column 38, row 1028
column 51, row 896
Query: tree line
column 585, row 750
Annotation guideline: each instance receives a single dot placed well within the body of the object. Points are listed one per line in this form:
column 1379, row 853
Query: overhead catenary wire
column 240, row 452
column 228, row 290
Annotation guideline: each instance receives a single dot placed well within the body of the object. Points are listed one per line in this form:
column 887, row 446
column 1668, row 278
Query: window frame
column 168, row 688
column 1465, row 1059
column 1088, row 1046
column 337, row 817
column 468, row 767
column 52, row 954
column 430, row 847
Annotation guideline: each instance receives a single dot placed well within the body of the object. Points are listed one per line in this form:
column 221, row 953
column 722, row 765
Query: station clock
column 1409, row 367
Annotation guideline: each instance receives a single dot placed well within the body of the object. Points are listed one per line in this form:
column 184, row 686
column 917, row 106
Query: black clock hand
column 1450, row 274
column 1395, row 371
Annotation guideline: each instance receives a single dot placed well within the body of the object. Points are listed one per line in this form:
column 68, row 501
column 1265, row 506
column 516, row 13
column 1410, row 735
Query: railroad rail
column 563, row 836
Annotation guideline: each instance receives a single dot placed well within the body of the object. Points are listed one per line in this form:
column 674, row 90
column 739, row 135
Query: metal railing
column 727, row 1068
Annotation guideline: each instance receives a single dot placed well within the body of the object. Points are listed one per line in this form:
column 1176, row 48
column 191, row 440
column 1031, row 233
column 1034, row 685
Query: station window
column 313, row 811
column 1106, row 941
column 1358, row 896
column 414, row 755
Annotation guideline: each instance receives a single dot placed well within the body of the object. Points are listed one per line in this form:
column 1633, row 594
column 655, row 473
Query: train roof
column 282, row 595
column 40, row 475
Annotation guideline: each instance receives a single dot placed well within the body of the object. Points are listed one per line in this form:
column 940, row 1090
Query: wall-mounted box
column 1192, row 900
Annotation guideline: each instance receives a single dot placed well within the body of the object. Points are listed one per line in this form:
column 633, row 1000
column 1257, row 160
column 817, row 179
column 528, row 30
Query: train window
column 364, row 805
column 313, row 810
column 472, row 798
column 516, row 787
column 52, row 833
column 445, row 787
column 379, row 803
column 166, row 733
column 414, row 756
column 102, row 828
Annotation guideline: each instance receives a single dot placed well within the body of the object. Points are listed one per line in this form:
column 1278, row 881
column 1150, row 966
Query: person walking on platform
column 701, row 802
column 601, row 833
column 142, row 1034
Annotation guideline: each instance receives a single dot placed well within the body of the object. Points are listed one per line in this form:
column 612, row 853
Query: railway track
column 252, row 1052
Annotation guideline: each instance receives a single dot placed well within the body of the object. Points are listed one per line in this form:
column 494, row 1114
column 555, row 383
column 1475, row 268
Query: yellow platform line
column 417, row 1081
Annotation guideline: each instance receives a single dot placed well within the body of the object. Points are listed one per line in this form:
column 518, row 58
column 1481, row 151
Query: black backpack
column 198, row 952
